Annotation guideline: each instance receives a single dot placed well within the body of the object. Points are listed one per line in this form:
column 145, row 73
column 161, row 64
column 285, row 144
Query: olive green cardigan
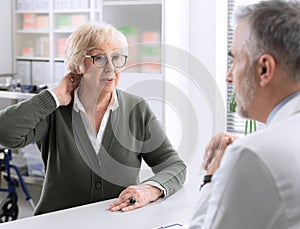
column 75, row 174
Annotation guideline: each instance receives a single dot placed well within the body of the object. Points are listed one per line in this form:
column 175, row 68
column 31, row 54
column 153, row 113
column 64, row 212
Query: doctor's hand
column 214, row 151
column 65, row 88
column 142, row 194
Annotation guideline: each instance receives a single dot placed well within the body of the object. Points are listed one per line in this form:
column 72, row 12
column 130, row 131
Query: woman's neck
column 95, row 107
column 103, row 101
column 93, row 100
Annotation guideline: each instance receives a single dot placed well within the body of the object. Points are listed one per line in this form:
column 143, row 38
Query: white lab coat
column 258, row 183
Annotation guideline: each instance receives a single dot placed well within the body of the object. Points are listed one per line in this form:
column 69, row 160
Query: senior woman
column 93, row 136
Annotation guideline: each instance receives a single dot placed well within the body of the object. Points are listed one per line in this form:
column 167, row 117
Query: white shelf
column 64, row 30
column 32, row 11
column 33, row 31
column 58, row 59
column 133, row 3
column 15, row 95
column 32, row 58
column 72, row 11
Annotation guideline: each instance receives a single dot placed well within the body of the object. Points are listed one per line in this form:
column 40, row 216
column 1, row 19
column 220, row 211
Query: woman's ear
column 79, row 69
column 266, row 69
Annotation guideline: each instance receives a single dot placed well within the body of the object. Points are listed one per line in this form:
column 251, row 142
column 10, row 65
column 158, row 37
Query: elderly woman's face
column 101, row 68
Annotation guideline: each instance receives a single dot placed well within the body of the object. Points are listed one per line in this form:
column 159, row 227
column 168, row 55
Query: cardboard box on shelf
column 42, row 47
column 80, row 4
column 60, row 46
column 62, row 4
column 78, row 19
column 151, row 52
column 63, row 21
column 134, row 57
column 41, row 4
column 28, row 51
column 42, row 22
column 29, row 21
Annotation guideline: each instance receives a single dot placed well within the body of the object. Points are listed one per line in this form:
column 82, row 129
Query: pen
column 168, row 226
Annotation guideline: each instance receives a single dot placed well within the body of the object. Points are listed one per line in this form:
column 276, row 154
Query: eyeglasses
column 118, row 60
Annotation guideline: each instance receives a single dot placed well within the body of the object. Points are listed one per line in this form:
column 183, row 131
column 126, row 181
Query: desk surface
column 175, row 209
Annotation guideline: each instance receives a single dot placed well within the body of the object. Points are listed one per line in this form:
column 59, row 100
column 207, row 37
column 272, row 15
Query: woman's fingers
column 142, row 195
column 123, row 202
column 65, row 88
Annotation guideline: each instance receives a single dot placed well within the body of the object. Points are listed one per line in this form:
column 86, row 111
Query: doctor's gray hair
column 273, row 27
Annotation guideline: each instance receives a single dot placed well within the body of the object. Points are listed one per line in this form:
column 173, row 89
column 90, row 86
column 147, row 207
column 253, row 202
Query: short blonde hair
column 89, row 36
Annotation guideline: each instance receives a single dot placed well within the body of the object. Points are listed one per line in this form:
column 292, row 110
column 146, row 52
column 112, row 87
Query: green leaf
column 232, row 103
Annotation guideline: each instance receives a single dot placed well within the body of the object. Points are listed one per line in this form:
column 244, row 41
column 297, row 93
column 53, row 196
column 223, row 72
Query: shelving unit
column 41, row 28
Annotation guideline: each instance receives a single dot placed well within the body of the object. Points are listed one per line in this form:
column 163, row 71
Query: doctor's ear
column 266, row 69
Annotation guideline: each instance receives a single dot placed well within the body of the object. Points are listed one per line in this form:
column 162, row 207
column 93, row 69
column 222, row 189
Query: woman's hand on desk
column 143, row 194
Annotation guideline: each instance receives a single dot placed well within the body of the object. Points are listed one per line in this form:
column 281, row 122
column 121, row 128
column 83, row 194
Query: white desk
column 175, row 209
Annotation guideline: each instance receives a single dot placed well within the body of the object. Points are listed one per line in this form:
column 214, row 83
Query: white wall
column 208, row 44
column 199, row 29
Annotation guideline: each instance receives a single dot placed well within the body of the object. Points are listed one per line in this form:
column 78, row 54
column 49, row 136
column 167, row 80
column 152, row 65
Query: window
column 235, row 124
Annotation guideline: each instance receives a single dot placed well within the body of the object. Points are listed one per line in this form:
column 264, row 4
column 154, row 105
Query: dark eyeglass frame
column 102, row 55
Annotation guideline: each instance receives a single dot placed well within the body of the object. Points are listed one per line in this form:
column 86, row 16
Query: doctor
column 257, row 183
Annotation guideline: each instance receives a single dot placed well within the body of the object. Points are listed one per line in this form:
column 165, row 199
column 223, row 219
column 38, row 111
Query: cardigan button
column 98, row 185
